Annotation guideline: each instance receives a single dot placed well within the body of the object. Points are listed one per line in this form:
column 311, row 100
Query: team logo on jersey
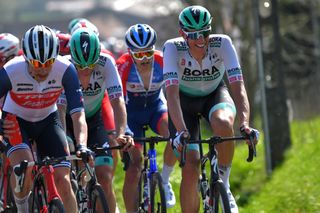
column 169, row 75
column 102, row 60
column 114, row 89
column 92, row 89
column 35, row 100
column 180, row 45
column 201, row 75
column 53, row 81
column 24, row 87
column 234, row 74
column 215, row 41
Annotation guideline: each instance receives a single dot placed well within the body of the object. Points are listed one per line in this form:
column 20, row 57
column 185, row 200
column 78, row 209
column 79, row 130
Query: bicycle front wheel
column 98, row 201
column 219, row 197
column 56, row 206
column 157, row 195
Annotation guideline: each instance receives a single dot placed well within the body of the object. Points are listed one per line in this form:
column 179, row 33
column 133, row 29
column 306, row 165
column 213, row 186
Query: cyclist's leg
column 19, row 150
column 52, row 142
column 189, row 197
column 221, row 115
column 133, row 172
column 159, row 124
column 103, row 163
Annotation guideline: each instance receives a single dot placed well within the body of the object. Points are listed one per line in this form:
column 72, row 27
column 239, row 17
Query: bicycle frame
column 150, row 157
column 6, row 181
column 46, row 173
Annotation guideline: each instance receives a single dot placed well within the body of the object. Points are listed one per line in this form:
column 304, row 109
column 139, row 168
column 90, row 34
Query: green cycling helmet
column 194, row 18
column 84, row 47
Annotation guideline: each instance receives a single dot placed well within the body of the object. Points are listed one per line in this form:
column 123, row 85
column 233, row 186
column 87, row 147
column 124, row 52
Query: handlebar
column 216, row 140
column 152, row 139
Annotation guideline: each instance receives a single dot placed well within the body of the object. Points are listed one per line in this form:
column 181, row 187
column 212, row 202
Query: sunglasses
column 197, row 34
column 143, row 54
column 81, row 67
column 37, row 64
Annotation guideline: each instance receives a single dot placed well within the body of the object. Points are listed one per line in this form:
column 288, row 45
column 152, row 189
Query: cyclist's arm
column 80, row 127
column 4, row 82
column 107, row 113
column 170, row 69
column 62, row 109
column 74, row 99
column 120, row 115
column 115, row 92
column 235, row 78
column 240, row 98
column 174, row 108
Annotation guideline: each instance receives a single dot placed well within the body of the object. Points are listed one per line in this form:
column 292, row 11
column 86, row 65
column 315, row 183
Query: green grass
column 293, row 187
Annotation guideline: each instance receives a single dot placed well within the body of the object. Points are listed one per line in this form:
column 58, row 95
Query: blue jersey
column 144, row 106
column 136, row 95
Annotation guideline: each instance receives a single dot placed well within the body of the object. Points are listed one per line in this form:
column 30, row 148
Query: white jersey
column 195, row 79
column 104, row 77
column 32, row 100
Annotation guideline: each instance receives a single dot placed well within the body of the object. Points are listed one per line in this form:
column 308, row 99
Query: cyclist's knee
column 104, row 174
column 62, row 177
column 223, row 125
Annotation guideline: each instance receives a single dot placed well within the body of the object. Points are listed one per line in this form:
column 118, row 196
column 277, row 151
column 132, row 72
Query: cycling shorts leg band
column 223, row 105
column 194, row 147
column 103, row 161
column 17, row 147
column 63, row 164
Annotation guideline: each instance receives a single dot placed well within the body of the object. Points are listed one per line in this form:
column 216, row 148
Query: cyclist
column 97, row 72
column 9, row 48
column 141, row 70
column 194, row 66
column 107, row 112
column 32, row 83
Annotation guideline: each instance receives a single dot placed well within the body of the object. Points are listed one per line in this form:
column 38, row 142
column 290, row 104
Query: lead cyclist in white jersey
column 31, row 85
column 194, row 66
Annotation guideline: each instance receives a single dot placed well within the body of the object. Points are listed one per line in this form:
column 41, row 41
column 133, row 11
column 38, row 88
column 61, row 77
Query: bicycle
column 45, row 197
column 213, row 193
column 151, row 192
column 90, row 196
column 8, row 202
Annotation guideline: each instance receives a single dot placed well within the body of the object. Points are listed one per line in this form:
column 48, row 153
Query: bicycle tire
column 56, row 206
column 220, row 198
column 10, row 202
column 97, row 195
column 39, row 198
column 141, row 192
column 157, row 195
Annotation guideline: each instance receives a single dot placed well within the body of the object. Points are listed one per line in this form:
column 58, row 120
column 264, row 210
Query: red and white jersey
column 32, row 100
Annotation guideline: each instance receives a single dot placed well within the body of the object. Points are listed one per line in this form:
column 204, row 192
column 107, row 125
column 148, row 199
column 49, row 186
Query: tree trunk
column 276, row 92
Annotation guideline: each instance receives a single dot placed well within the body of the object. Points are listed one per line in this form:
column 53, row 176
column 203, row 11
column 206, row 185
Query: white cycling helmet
column 9, row 45
column 84, row 23
column 40, row 43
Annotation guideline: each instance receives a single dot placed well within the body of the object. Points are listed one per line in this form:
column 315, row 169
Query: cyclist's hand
column 11, row 129
column 178, row 141
column 250, row 132
column 84, row 153
column 126, row 141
